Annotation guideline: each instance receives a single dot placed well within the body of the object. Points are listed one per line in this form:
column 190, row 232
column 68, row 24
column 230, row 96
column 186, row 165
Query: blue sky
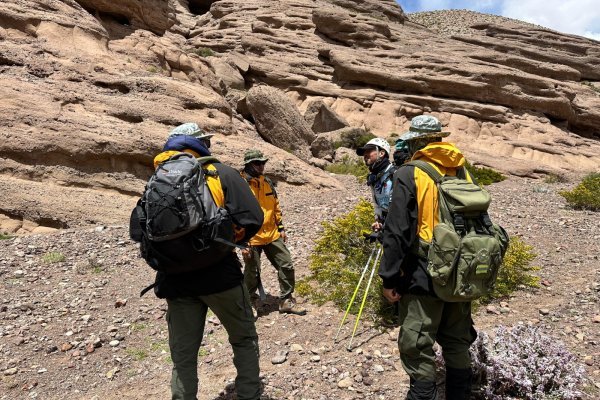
column 579, row 17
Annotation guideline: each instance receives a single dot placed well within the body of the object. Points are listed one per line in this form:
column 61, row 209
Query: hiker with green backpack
column 440, row 252
column 193, row 214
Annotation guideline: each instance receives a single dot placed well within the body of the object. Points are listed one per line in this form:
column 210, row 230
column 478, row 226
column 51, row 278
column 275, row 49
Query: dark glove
column 373, row 236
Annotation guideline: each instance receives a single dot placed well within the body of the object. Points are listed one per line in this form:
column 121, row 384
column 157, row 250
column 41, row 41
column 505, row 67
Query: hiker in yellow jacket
column 270, row 239
column 423, row 316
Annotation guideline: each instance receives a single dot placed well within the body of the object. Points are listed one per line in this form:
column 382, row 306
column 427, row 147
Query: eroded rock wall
column 90, row 88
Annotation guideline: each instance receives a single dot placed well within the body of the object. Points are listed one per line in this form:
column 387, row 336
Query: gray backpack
column 467, row 249
column 177, row 222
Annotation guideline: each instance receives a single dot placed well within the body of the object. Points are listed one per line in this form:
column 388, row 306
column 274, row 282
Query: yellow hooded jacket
column 445, row 158
column 267, row 198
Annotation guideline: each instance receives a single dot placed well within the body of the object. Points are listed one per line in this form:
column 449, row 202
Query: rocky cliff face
column 90, row 88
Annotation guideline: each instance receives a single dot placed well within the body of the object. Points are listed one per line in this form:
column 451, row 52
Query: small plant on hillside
column 523, row 363
column 586, row 195
column 137, row 354
column 591, row 86
column 203, row 52
column 516, row 270
column 348, row 166
column 152, row 69
column 337, row 261
column 354, row 139
column 4, row 236
column 483, row 175
column 53, row 257
column 555, row 178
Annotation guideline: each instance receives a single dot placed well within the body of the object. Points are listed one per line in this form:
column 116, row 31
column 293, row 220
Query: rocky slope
column 90, row 88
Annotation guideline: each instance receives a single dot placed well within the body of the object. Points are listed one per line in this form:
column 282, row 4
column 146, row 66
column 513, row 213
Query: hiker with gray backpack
column 440, row 252
column 193, row 214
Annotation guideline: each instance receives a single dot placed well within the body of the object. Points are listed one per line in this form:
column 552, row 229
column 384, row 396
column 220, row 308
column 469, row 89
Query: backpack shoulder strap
column 272, row 185
column 428, row 169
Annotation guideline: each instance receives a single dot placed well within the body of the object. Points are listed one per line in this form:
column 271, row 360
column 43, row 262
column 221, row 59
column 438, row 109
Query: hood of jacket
column 441, row 153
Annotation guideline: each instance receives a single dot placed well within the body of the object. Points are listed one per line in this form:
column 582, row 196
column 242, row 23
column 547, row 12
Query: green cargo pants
column 280, row 257
column 186, row 318
column 425, row 320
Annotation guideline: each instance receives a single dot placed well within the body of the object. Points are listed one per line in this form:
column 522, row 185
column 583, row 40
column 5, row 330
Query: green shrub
column 515, row 271
column 337, row 261
column 204, row 52
column 555, row 178
column 137, row 354
column 586, row 195
column 341, row 253
column 485, row 176
column 53, row 257
column 152, row 69
column 5, row 236
column 591, row 86
column 353, row 139
column 348, row 166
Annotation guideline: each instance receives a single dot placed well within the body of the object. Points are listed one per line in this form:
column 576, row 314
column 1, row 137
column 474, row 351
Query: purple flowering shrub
column 523, row 363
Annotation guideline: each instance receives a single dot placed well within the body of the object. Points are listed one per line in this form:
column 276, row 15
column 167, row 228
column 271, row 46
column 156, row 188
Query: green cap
column 254, row 155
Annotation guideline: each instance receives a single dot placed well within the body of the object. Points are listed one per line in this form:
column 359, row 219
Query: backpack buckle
column 459, row 222
column 485, row 218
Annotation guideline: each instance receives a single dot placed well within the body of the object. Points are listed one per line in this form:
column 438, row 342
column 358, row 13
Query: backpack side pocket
column 442, row 254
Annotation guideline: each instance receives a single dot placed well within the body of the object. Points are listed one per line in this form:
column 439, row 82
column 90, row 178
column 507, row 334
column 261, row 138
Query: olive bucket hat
column 190, row 129
column 254, row 155
column 424, row 126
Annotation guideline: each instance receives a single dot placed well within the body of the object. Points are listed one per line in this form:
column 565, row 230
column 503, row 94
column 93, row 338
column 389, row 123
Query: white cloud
column 579, row 17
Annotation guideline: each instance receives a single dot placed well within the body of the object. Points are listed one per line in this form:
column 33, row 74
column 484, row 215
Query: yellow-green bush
column 586, row 195
column 341, row 253
column 555, row 178
column 337, row 261
column 483, row 175
column 516, row 270
column 53, row 257
column 348, row 166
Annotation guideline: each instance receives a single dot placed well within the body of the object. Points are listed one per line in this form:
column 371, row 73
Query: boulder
column 278, row 120
column 321, row 118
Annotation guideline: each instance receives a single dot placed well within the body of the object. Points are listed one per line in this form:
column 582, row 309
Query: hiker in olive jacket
column 424, row 318
column 270, row 239
column 218, row 287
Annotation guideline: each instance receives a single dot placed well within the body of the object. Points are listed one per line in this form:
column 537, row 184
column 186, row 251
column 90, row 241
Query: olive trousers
column 186, row 317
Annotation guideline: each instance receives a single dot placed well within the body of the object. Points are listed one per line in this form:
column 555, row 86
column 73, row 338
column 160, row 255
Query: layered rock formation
column 90, row 88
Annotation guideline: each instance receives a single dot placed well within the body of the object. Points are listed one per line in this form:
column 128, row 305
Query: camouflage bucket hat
column 190, row 129
column 254, row 155
column 424, row 126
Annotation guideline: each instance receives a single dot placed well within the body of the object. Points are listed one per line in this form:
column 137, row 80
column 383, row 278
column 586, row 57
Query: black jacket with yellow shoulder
column 412, row 215
column 238, row 200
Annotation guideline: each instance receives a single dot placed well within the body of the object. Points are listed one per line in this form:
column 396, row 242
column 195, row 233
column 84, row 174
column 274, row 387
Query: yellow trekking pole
column 362, row 304
column 355, row 291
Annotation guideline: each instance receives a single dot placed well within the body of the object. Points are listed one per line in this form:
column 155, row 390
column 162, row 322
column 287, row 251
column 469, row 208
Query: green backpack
column 467, row 249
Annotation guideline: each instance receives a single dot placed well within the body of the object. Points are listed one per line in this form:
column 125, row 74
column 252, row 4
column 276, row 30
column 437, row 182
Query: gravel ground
column 459, row 22
column 73, row 325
